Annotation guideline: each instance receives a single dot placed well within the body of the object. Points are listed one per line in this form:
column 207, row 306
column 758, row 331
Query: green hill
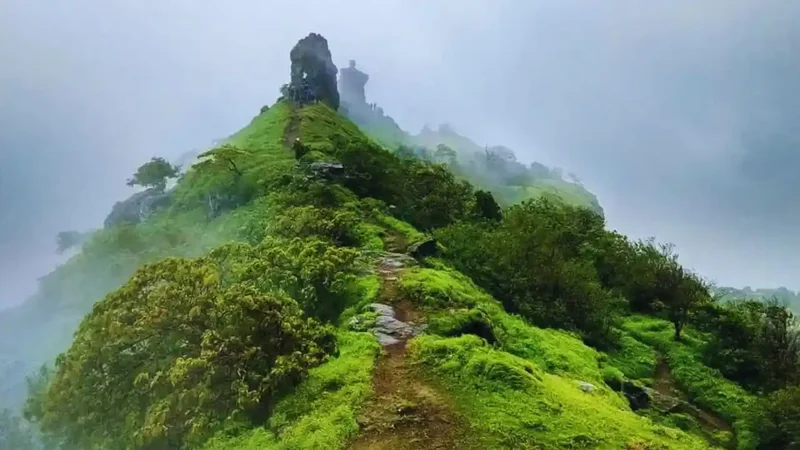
column 788, row 297
column 302, row 287
column 492, row 168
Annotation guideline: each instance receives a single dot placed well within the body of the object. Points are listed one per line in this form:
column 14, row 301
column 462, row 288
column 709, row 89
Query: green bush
column 535, row 263
column 777, row 420
column 317, row 274
column 166, row 359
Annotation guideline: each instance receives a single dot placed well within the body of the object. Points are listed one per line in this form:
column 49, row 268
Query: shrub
column 535, row 262
column 164, row 360
column 777, row 420
column 318, row 275
column 337, row 225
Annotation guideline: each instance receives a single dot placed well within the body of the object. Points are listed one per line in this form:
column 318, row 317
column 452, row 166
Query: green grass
column 510, row 402
column 634, row 359
column 458, row 300
column 552, row 188
column 434, row 288
column 321, row 127
column 704, row 385
column 409, row 232
column 321, row 412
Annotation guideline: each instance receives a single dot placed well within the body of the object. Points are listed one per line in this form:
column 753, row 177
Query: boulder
column 423, row 249
column 388, row 329
column 638, row 396
column 586, row 387
column 326, row 170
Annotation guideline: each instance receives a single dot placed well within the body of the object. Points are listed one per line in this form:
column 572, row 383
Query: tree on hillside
column 154, row 174
column 680, row 290
column 779, row 346
column 445, row 154
column 487, row 206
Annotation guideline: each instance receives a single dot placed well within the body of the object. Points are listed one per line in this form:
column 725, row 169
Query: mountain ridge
column 305, row 287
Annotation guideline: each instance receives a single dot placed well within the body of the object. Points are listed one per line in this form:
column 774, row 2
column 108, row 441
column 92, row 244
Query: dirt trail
column 664, row 383
column 292, row 130
column 405, row 412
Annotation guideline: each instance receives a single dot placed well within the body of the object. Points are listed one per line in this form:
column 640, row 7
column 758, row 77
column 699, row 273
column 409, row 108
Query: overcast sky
column 682, row 116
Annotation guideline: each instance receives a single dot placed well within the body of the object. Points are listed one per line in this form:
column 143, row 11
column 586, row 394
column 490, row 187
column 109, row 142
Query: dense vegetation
column 236, row 315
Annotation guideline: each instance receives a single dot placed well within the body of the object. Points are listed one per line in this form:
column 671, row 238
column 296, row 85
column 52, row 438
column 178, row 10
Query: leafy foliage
column 535, row 261
column 486, row 206
column 311, row 271
column 777, row 420
column 174, row 353
column 754, row 343
column 154, row 174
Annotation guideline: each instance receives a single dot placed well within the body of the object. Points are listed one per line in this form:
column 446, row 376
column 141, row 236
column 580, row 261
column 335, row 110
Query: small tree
column 154, row 174
column 487, row 206
column 445, row 154
column 680, row 290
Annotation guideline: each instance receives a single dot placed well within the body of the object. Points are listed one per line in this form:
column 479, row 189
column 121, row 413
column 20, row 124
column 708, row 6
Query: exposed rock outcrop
column 388, row 329
column 313, row 73
column 138, row 207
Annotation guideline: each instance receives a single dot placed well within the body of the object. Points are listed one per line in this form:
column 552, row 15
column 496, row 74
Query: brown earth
column 405, row 413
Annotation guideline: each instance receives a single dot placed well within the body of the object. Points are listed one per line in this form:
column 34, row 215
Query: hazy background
column 682, row 116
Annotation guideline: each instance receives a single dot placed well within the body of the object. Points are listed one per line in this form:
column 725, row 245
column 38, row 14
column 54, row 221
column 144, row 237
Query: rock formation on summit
column 351, row 85
column 313, row 73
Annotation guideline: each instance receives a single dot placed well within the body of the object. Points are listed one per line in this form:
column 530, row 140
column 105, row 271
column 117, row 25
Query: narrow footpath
column 405, row 413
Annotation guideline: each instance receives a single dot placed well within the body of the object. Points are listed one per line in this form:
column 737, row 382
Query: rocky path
column 668, row 397
column 405, row 413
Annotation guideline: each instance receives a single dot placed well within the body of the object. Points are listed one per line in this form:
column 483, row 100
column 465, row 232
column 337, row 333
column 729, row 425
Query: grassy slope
column 704, row 386
column 39, row 329
column 522, row 392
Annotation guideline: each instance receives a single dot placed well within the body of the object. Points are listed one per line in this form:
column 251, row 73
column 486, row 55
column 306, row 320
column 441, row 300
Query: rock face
column 138, row 207
column 313, row 73
column 351, row 85
column 389, row 329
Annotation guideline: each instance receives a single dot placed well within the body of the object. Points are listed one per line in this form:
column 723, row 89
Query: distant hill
column 494, row 168
column 781, row 294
